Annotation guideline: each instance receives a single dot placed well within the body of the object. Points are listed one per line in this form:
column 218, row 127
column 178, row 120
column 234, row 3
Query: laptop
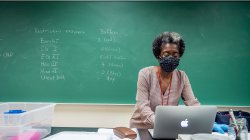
column 173, row 120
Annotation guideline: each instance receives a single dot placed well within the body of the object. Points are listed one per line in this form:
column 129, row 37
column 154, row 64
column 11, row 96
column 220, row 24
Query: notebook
column 173, row 120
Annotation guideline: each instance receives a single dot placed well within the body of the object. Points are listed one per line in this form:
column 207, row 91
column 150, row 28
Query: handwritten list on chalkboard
column 110, row 57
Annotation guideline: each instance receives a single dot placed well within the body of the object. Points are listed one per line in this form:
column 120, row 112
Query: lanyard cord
column 159, row 78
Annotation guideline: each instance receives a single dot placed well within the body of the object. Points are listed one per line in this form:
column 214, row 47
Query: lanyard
column 159, row 79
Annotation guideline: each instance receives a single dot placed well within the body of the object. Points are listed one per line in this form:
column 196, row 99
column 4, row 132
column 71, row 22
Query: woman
column 164, row 84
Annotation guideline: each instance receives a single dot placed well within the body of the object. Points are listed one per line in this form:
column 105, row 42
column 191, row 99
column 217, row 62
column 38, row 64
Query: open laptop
column 173, row 120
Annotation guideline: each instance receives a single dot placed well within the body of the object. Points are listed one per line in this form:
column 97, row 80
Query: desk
column 143, row 134
column 55, row 130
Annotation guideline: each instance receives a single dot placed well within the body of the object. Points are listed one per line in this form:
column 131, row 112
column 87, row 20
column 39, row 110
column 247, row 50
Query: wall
column 108, row 116
column 80, row 115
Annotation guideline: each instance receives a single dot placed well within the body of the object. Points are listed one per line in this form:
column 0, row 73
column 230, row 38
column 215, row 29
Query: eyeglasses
column 176, row 55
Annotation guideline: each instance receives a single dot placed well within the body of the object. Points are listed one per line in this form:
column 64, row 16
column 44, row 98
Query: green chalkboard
column 91, row 52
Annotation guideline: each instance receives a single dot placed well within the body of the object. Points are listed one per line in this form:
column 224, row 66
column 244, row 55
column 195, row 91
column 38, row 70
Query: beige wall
column 78, row 115
column 108, row 116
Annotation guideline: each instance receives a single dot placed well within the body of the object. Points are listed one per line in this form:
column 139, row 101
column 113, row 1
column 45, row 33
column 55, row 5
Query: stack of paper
column 203, row 137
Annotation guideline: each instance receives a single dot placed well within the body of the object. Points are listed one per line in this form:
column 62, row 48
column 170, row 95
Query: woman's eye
column 177, row 55
column 165, row 55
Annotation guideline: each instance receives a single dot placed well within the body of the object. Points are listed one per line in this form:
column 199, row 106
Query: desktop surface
column 55, row 130
column 143, row 134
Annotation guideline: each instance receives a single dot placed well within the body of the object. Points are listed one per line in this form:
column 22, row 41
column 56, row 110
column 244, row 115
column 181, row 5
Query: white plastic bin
column 38, row 117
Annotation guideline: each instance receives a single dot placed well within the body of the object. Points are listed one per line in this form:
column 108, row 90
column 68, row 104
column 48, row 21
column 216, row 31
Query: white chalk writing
column 8, row 54
column 50, row 59
column 110, row 58
column 59, row 31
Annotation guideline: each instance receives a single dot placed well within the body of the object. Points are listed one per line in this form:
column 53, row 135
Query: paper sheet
column 108, row 131
column 67, row 135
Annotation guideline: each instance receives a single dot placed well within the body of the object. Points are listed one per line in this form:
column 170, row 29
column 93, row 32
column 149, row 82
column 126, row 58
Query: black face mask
column 169, row 64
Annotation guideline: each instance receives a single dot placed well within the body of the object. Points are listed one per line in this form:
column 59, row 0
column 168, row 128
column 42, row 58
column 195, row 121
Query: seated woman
column 163, row 84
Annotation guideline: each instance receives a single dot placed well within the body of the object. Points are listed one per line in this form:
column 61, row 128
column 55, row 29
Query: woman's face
column 169, row 50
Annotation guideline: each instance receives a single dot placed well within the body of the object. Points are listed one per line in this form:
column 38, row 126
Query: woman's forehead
column 169, row 46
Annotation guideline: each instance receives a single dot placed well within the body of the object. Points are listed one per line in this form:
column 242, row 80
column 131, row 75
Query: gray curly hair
column 168, row 37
